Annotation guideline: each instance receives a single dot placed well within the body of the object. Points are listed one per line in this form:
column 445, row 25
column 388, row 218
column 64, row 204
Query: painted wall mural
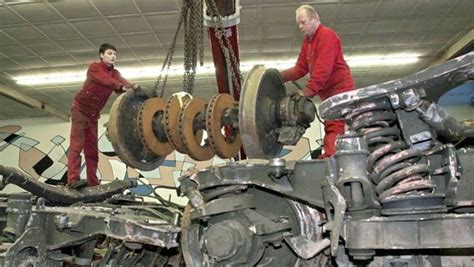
column 41, row 153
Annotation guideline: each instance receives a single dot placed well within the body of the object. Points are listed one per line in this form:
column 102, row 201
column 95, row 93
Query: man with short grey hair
column 321, row 56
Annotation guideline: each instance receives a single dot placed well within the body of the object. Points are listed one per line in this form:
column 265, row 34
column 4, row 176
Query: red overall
column 322, row 57
column 88, row 102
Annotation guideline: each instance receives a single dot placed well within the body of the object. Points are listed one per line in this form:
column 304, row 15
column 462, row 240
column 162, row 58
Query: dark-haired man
column 102, row 79
column 322, row 57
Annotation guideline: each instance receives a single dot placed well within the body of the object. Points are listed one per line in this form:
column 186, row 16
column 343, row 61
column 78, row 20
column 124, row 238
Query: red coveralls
column 322, row 57
column 88, row 102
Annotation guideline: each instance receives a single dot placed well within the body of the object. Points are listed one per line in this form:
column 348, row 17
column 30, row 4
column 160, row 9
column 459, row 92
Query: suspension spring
column 396, row 170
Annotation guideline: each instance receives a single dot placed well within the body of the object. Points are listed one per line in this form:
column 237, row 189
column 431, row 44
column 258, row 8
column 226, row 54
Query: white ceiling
column 52, row 36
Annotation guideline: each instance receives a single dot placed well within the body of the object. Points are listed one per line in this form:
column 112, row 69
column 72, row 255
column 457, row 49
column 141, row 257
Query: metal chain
column 193, row 41
column 169, row 57
column 219, row 32
column 191, row 17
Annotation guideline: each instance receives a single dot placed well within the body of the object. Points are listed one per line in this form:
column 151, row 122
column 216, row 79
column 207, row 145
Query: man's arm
column 97, row 74
column 299, row 70
column 323, row 66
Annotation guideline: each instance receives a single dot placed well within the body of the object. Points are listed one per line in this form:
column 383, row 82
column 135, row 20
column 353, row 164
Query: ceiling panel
column 59, row 31
column 14, row 51
column 397, row 8
column 60, row 60
column 30, row 62
column 23, row 33
column 36, row 12
column 74, row 9
column 9, row 17
column 352, row 11
column 383, row 26
column 277, row 31
column 45, row 48
column 351, row 27
column 76, row 45
column 283, row 14
column 93, row 27
column 142, row 40
column 147, row 6
column 159, row 22
column 9, row 64
column 113, row 7
column 51, row 36
column 129, row 24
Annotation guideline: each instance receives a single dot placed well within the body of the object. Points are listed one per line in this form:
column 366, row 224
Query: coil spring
column 394, row 168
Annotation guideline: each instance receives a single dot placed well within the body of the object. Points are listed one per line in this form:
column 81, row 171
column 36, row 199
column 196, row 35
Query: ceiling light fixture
column 153, row 71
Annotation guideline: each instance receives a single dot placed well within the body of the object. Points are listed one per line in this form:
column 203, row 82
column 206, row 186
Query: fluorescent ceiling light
column 382, row 60
column 154, row 71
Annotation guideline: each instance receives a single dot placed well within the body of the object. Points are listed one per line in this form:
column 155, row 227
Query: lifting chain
column 219, row 32
column 193, row 32
column 193, row 41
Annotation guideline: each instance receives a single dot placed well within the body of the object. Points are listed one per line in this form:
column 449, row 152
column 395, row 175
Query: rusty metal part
column 174, row 105
column 224, row 146
column 64, row 195
column 150, row 109
column 258, row 122
column 190, row 135
column 435, row 81
column 124, row 135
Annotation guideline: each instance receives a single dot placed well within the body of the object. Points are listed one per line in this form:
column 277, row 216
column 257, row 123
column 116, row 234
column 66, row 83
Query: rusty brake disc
column 124, row 135
column 152, row 111
column 189, row 136
column 174, row 105
column 258, row 121
column 224, row 146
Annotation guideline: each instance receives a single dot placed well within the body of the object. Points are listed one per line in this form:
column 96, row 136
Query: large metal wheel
column 240, row 235
column 189, row 135
column 258, row 122
column 225, row 145
column 123, row 132
column 174, row 105
column 151, row 113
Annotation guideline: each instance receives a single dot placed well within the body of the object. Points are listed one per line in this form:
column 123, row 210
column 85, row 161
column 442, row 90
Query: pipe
column 63, row 194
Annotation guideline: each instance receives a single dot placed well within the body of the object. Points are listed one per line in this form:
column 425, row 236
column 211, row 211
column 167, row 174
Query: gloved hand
column 296, row 94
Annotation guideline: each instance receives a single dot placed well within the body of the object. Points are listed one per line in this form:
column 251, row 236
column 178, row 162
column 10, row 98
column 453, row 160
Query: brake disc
column 224, row 146
column 152, row 111
column 123, row 132
column 258, row 121
column 190, row 136
column 174, row 105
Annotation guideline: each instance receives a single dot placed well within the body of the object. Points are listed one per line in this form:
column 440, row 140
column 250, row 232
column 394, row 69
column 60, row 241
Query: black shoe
column 78, row 184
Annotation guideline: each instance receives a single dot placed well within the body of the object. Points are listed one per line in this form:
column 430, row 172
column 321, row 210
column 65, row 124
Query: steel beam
column 455, row 48
column 31, row 102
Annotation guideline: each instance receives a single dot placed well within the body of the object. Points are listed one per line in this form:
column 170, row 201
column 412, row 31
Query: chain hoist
column 191, row 16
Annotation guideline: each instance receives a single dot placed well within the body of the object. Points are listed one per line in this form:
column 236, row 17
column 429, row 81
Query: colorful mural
column 45, row 159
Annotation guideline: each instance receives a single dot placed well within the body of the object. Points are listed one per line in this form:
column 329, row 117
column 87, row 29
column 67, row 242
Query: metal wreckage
column 398, row 192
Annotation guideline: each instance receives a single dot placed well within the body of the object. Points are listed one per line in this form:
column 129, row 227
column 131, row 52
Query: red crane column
column 230, row 13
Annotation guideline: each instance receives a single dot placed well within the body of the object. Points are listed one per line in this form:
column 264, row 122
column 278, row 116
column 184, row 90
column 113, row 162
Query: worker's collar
column 105, row 66
column 310, row 38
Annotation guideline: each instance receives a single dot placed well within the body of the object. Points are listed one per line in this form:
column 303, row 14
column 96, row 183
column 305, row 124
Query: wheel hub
column 222, row 240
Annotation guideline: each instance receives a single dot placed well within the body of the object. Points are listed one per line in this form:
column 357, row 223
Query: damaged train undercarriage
column 398, row 192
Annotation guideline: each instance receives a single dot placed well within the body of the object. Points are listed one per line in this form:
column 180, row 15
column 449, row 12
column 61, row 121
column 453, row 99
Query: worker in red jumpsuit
column 102, row 79
column 322, row 57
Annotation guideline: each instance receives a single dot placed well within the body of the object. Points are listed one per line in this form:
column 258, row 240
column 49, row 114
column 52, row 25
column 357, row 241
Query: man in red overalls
column 322, row 57
column 102, row 79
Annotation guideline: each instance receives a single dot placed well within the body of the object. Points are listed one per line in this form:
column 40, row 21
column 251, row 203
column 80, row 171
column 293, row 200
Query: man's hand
column 296, row 94
column 132, row 86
